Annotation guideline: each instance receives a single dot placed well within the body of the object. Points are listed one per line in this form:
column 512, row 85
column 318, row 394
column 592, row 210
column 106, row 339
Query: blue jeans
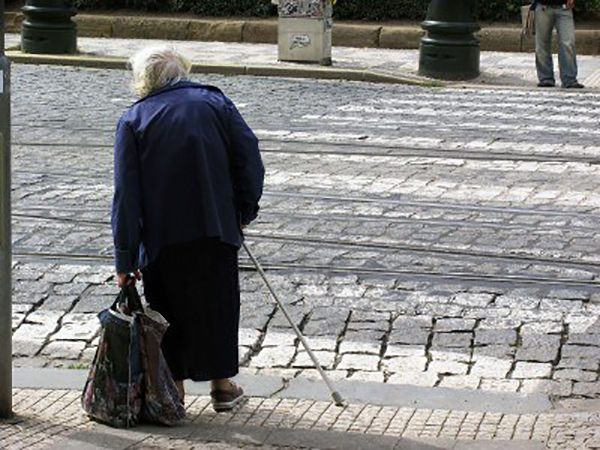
column 546, row 18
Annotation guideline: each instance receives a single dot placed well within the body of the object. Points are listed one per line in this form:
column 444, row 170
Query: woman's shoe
column 226, row 400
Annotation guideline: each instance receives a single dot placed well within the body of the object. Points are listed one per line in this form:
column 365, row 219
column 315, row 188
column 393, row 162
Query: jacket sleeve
column 247, row 168
column 126, row 212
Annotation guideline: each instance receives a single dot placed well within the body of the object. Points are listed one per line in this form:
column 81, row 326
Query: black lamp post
column 48, row 28
column 450, row 51
column 5, row 233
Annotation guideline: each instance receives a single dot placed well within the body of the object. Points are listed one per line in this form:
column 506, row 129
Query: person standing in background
column 550, row 14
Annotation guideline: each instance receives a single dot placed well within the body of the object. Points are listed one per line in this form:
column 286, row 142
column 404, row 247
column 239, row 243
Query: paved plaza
column 438, row 246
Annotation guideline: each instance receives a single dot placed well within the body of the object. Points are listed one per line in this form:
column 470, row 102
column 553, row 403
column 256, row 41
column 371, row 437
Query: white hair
column 155, row 67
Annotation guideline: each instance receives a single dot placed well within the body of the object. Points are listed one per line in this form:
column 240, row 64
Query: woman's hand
column 123, row 279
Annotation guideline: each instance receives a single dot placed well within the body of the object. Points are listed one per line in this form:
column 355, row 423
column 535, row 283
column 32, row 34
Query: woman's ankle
column 180, row 389
column 223, row 384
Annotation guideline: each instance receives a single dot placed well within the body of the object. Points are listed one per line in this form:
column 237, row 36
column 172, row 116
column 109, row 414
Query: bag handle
column 134, row 302
column 128, row 301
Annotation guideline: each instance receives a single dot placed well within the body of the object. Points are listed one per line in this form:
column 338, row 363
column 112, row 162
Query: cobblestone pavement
column 497, row 68
column 429, row 237
column 53, row 419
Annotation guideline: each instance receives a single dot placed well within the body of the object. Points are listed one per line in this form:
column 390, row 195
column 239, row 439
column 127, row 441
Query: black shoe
column 546, row 83
column 575, row 85
column 226, row 400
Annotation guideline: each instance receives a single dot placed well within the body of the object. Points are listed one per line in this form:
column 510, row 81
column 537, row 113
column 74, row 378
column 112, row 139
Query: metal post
column 450, row 50
column 48, row 28
column 5, row 233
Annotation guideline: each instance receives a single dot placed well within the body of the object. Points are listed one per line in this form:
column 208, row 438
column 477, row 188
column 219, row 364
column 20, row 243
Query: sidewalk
column 356, row 64
column 50, row 416
column 299, row 413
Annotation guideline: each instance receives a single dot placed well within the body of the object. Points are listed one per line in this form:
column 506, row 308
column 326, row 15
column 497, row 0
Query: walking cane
column 337, row 398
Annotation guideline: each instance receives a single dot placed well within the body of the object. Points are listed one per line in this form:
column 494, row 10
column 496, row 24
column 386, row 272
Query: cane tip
column 337, row 398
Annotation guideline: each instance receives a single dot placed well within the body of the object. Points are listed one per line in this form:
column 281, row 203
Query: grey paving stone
column 543, row 327
column 367, row 326
column 58, row 303
column 524, row 370
column 274, row 357
column 405, row 364
column 448, row 367
column 364, row 335
column 562, row 304
column 587, row 389
column 445, row 340
column 369, row 316
column 279, row 320
column 478, row 300
column 78, row 327
column 255, row 317
column 63, row 350
column 584, row 339
column 416, row 336
column 575, row 375
column 540, row 348
column 520, row 301
column 560, row 388
column 570, row 294
column 579, row 351
column 27, row 347
column 579, row 363
column 323, row 313
column 358, row 362
column 332, row 327
column 495, row 337
column 533, row 339
column 541, row 353
column 413, row 322
column 490, row 367
column 28, row 298
column 448, row 325
column 93, row 304
column 349, row 346
column 70, row 288
column 496, row 351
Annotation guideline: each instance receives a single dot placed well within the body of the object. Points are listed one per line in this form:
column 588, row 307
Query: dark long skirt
column 195, row 286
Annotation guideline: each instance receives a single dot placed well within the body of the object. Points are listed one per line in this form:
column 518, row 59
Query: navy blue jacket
column 186, row 166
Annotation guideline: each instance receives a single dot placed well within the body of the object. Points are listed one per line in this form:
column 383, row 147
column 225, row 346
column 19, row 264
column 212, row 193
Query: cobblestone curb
column 324, row 73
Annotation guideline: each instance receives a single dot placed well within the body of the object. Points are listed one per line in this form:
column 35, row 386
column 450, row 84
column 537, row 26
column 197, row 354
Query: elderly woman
column 188, row 179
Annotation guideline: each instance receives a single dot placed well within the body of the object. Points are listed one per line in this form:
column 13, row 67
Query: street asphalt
column 437, row 244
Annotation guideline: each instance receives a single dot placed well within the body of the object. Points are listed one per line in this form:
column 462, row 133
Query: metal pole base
column 449, row 62
column 46, row 41
column 48, row 27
